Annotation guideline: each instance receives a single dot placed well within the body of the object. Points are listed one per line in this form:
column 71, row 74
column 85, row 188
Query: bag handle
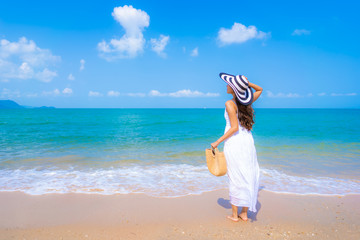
column 213, row 150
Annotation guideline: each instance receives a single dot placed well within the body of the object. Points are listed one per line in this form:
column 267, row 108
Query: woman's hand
column 215, row 144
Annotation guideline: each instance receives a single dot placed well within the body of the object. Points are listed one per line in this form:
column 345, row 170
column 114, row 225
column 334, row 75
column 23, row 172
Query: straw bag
column 216, row 161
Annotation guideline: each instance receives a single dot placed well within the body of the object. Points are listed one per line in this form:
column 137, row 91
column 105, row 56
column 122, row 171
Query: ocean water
column 161, row 152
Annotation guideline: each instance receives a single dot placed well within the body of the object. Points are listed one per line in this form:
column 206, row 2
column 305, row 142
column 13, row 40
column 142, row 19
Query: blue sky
column 304, row 54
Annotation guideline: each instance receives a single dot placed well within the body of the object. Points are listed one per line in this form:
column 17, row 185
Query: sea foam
column 162, row 180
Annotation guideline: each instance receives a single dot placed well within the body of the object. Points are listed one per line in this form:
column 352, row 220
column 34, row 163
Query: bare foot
column 243, row 216
column 235, row 219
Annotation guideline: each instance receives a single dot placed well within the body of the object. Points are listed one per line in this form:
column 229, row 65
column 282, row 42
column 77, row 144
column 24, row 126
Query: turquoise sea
column 161, row 152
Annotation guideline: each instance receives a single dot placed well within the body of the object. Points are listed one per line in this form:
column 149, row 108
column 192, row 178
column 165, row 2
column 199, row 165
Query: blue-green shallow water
column 161, row 151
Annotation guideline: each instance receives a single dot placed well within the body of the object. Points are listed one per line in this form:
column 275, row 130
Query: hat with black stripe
column 240, row 86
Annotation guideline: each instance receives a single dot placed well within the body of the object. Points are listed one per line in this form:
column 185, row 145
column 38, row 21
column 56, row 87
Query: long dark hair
column 246, row 115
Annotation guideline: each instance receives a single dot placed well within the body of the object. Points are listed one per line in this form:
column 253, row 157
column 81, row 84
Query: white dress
column 242, row 167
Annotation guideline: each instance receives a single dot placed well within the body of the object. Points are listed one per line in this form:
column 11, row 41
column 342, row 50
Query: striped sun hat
column 240, row 85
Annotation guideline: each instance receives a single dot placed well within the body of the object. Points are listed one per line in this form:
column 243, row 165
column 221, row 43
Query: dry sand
column 138, row 216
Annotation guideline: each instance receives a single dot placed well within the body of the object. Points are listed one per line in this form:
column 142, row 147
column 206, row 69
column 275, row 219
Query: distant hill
column 44, row 107
column 9, row 104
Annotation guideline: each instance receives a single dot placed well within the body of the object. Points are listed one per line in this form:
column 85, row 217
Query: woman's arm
column 257, row 89
column 231, row 110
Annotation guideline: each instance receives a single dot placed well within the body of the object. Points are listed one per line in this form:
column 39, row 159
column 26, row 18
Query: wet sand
column 138, row 216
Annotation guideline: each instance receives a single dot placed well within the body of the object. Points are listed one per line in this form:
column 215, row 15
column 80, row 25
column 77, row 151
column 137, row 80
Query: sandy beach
column 138, row 216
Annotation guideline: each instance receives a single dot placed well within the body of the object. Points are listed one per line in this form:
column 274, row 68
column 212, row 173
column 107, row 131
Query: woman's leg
column 243, row 214
column 234, row 215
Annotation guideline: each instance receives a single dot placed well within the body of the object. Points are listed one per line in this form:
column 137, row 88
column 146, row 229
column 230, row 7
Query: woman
column 239, row 148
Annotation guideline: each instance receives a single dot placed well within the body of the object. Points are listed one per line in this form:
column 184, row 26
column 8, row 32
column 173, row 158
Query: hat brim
column 228, row 78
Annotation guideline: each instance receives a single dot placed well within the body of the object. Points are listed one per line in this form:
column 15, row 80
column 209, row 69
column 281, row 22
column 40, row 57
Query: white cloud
column 71, row 77
column 45, row 75
column 156, row 93
column 182, row 93
column 25, row 60
column 25, row 71
column 195, row 52
column 94, row 94
column 239, row 33
column 295, row 95
column 113, row 93
column 67, row 91
column 300, row 32
column 55, row 92
column 158, row 45
column 132, row 42
column 282, row 95
column 189, row 93
column 82, row 64
column 30, row 95
column 132, row 19
column 342, row 94
column 7, row 93
column 136, row 94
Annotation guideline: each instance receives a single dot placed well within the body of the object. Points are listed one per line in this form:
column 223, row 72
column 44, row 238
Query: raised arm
column 231, row 110
column 258, row 90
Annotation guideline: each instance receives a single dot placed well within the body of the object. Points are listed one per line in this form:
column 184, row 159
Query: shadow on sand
column 225, row 203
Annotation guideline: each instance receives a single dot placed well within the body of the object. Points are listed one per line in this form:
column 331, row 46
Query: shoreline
column 172, row 197
column 137, row 216
column 180, row 180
